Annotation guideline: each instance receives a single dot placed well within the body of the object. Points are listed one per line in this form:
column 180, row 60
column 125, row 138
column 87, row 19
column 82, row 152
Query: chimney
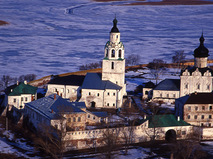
column 54, row 96
column 51, row 111
column 25, row 82
column 17, row 83
column 178, row 118
column 144, row 116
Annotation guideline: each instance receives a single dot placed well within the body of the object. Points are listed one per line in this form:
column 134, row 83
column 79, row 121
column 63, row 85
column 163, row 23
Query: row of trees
column 7, row 80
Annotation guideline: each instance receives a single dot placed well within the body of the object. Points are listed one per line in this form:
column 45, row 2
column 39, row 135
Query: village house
column 19, row 94
column 197, row 78
column 196, row 109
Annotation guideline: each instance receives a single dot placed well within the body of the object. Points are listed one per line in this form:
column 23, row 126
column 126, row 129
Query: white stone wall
column 65, row 91
column 166, row 96
column 201, row 62
column 19, row 101
column 195, row 82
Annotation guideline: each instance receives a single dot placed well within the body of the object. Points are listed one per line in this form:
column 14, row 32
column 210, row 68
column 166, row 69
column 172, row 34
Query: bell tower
column 113, row 66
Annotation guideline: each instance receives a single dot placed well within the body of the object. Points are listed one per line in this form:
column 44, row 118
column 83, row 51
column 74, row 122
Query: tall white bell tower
column 113, row 67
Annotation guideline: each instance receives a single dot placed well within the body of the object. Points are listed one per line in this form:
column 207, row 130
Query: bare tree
column 28, row 78
column 7, row 80
column 90, row 66
column 132, row 59
column 110, row 141
column 179, row 58
column 157, row 68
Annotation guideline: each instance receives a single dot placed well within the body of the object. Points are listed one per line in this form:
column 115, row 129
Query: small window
column 161, row 95
column 25, row 98
column 198, row 86
column 210, row 116
column 201, row 124
column 209, row 124
column 56, row 126
column 196, row 108
column 89, row 93
column 112, row 66
column 88, row 116
column 119, row 55
column 116, row 36
column 108, row 93
column 189, row 107
column 93, row 117
column 167, row 95
column 97, row 94
column 203, row 107
column 210, row 107
column 14, row 100
column 79, row 119
column 22, row 99
column 208, row 87
column 68, row 91
column 174, row 95
column 183, row 132
column 113, row 53
column 113, row 104
column 113, row 94
column 188, row 116
column 69, row 119
column 186, row 86
column 107, row 104
column 195, row 117
column 107, row 52
column 74, row 120
column 202, row 116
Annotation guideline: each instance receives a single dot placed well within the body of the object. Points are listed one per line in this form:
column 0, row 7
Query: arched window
column 113, row 53
column 112, row 65
column 198, row 86
column 119, row 55
column 107, row 52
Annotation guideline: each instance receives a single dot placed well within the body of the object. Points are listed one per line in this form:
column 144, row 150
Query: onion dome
column 114, row 28
column 201, row 51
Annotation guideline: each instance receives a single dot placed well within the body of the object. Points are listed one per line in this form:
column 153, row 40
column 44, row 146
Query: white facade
column 20, row 100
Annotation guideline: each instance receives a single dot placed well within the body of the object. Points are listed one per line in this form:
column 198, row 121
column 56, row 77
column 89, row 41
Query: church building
column 106, row 90
column 197, row 78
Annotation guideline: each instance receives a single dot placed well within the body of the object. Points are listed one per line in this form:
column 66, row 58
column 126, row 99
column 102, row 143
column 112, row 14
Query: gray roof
column 94, row 81
column 52, row 108
column 169, row 84
column 100, row 114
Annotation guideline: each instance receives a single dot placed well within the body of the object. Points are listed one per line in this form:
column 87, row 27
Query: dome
column 201, row 51
column 114, row 28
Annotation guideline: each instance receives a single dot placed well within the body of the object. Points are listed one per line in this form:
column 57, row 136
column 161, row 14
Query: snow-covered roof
column 169, row 84
column 19, row 89
column 94, row 81
column 53, row 105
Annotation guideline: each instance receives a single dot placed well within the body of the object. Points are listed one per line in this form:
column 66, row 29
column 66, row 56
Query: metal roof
column 19, row 89
column 52, row 108
column 169, row 84
column 94, row 81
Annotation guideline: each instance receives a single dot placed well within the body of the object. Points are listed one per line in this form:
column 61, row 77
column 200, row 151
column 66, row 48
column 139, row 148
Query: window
column 209, row 124
column 113, row 94
column 208, row 87
column 74, row 120
column 186, row 86
column 79, row 119
column 189, row 107
column 113, row 53
column 119, row 55
column 198, row 86
column 25, row 98
column 22, row 99
column 201, row 124
column 88, row 116
column 97, row 94
column 107, row 52
column 196, row 108
column 202, row 116
column 94, row 117
column 183, row 132
column 188, row 116
column 56, row 126
column 112, row 65
column 195, row 117
column 116, row 36
column 113, row 104
column 107, row 104
column 203, row 107
column 68, row 91
column 108, row 94
column 69, row 119
column 89, row 93
column 167, row 95
column 14, row 100
column 210, row 116
column 210, row 107
column 161, row 95
column 174, row 95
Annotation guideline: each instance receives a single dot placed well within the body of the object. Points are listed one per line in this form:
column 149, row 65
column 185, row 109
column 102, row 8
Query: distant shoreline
column 164, row 2
column 3, row 22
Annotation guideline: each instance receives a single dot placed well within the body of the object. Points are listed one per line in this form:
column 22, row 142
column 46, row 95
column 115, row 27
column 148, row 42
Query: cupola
column 201, row 51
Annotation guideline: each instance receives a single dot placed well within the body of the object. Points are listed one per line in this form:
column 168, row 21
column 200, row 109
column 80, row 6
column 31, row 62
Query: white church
column 99, row 90
column 198, row 78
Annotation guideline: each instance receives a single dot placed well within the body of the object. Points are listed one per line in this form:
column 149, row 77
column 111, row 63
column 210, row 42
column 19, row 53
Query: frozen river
column 50, row 37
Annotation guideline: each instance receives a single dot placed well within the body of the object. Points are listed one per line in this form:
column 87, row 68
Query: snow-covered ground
column 52, row 37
